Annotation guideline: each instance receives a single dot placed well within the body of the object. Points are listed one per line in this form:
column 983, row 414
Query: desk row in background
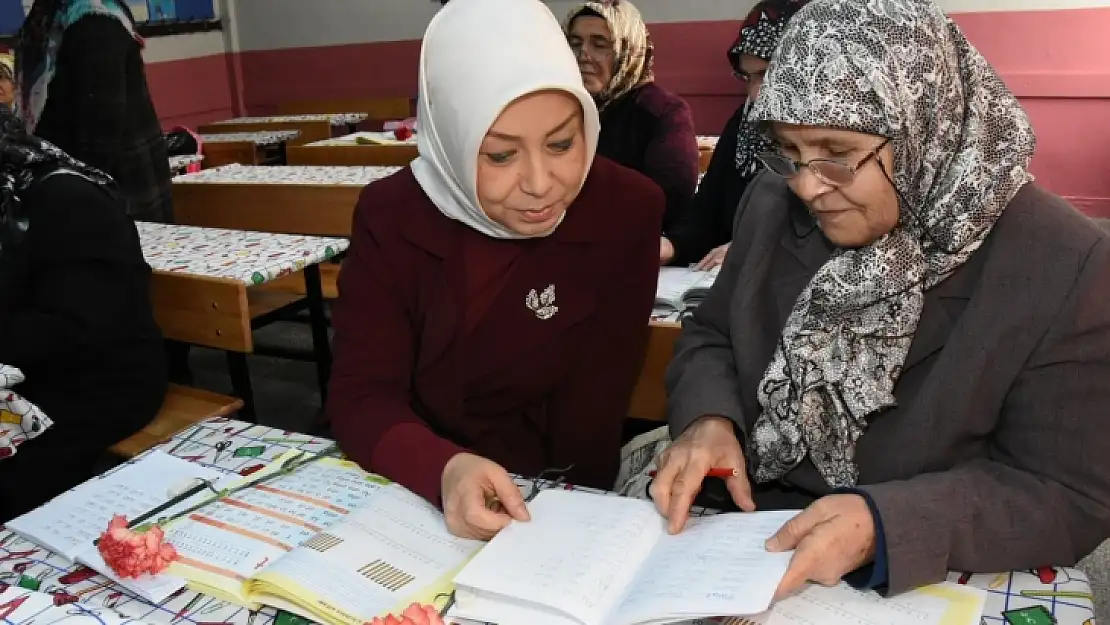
column 249, row 257
column 292, row 174
column 335, row 119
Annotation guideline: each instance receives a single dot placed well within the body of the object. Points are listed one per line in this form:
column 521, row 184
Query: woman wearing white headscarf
column 908, row 337
column 495, row 299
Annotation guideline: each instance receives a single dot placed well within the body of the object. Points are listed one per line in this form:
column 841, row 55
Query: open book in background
column 682, row 288
column 587, row 559
column 328, row 542
column 68, row 524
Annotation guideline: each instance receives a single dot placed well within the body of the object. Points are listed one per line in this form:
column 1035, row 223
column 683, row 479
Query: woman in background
column 703, row 232
column 83, row 88
column 7, row 81
column 643, row 126
column 75, row 316
column 494, row 302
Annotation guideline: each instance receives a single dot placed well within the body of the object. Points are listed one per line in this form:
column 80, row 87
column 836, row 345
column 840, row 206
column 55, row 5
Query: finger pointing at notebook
column 708, row 443
column 479, row 497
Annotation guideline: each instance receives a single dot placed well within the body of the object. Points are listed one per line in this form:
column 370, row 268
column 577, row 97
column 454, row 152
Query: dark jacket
column 708, row 222
column 410, row 389
column 99, row 110
column 75, row 317
column 651, row 130
column 996, row 455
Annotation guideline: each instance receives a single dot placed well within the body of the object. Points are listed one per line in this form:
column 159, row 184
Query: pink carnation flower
column 415, row 614
column 131, row 553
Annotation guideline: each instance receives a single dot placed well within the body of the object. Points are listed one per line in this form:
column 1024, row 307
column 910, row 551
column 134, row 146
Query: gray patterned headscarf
column 962, row 145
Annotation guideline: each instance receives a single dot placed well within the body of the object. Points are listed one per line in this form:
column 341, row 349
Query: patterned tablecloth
column 20, row 420
column 262, row 138
column 388, row 137
column 1043, row 597
column 250, row 257
column 336, row 119
column 288, row 174
column 179, row 163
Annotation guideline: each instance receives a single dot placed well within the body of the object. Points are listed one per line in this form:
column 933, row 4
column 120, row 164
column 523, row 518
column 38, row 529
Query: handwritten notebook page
column 386, row 555
column 221, row 545
column 718, row 565
column 577, row 555
column 941, row 604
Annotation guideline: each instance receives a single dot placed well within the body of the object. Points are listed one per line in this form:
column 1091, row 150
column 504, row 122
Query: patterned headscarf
column 41, row 38
column 633, row 52
column 25, row 159
column 759, row 36
column 899, row 69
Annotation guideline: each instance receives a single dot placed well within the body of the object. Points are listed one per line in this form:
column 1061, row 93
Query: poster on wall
column 11, row 16
column 138, row 10
column 162, row 10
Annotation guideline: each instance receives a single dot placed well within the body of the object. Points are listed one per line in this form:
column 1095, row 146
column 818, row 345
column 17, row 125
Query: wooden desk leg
column 241, row 384
column 321, row 347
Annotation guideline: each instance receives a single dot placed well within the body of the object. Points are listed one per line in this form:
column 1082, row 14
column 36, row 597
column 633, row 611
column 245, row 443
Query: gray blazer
column 997, row 456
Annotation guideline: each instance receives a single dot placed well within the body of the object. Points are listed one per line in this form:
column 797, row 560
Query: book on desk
column 681, row 288
column 328, row 542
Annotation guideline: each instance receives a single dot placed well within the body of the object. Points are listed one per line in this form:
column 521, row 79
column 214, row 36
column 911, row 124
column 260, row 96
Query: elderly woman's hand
column 708, row 443
column 834, row 536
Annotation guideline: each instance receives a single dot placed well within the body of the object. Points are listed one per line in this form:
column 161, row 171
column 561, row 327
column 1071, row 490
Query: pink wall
column 190, row 92
column 1054, row 60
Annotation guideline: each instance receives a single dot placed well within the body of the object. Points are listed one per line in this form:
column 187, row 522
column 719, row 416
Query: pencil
column 714, row 472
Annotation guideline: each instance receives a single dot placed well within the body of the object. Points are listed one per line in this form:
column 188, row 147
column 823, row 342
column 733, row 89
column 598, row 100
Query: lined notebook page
column 718, row 565
column 578, row 554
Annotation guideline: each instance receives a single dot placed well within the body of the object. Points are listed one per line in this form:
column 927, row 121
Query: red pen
column 715, row 472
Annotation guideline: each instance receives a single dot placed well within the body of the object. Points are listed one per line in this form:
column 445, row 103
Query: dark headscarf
column 40, row 38
column 24, row 160
column 899, row 69
column 759, row 36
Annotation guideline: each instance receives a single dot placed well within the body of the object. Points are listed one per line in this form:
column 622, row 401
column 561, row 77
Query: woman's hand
column 834, row 536
column 714, row 258
column 708, row 443
column 666, row 251
column 479, row 497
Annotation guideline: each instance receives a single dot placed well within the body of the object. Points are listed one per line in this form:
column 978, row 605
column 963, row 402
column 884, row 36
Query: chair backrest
column 649, row 396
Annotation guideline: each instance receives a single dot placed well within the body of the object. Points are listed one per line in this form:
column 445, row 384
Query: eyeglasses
column 745, row 77
column 831, row 171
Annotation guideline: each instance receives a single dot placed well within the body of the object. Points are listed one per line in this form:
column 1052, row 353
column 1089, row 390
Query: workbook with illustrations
column 682, row 288
column 587, row 559
column 328, row 542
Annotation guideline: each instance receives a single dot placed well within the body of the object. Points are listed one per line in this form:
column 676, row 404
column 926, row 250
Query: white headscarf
column 478, row 56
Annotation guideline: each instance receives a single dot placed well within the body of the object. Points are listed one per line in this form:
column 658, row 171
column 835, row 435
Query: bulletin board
column 12, row 12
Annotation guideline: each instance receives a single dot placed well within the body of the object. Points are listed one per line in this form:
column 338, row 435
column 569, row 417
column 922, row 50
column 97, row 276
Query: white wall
column 282, row 24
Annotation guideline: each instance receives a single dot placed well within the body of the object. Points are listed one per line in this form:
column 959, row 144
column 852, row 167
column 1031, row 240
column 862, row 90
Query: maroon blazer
column 409, row 389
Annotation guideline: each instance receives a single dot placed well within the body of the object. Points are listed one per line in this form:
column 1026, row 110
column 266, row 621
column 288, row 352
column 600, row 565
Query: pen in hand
column 714, row 472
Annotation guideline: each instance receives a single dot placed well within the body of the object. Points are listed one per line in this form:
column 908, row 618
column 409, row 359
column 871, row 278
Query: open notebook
column 68, row 524
column 588, row 559
column 328, row 542
column 681, row 288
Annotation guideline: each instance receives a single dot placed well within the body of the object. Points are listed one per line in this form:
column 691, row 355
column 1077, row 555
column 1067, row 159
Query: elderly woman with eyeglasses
column 909, row 340
column 643, row 126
